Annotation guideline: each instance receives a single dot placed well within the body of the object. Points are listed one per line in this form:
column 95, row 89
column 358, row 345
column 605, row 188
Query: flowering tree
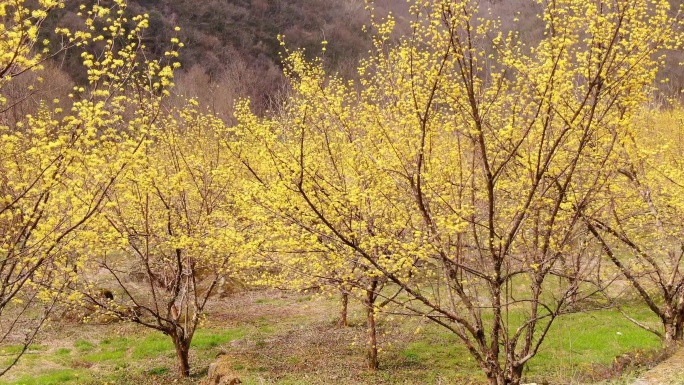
column 302, row 257
column 639, row 222
column 174, row 219
column 458, row 166
column 49, row 188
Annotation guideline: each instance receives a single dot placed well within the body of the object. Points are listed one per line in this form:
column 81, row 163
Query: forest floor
column 273, row 337
column 668, row 372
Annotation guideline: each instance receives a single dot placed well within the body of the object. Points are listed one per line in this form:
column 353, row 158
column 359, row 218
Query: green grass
column 15, row 349
column 62, row 352
column 439, row 354
column 54, row 377
column 575, row 343
column 154, row 345
column 118, row 352
column 105, row 356
column 206, row 339
column 83, row 346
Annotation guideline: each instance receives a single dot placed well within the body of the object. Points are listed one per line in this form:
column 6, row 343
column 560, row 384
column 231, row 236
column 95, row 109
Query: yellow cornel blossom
column 57, row 167
column 461, row 164
column 463, row 177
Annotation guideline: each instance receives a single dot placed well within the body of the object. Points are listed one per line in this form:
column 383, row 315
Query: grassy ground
column 273, row 337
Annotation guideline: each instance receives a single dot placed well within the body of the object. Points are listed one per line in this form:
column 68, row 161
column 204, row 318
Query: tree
column 303, row 258
column 638, row 224
column 175, row 220
column 464, row 159
column 48, row 188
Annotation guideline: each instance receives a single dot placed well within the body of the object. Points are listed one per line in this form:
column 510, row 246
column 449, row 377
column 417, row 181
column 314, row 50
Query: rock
column 221, row 373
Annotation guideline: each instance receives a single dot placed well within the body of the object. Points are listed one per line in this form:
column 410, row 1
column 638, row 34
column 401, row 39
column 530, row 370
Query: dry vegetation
column 232, row 48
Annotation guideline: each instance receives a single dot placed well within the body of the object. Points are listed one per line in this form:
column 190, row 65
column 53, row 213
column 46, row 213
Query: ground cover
column 273, row 337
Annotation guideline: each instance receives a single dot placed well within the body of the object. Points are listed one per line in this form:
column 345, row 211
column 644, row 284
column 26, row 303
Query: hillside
column 232, row 49
column 235, row 43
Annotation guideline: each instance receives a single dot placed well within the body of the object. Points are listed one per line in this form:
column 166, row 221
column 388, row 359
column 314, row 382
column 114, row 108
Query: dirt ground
column 277, row 338
column 668, row 372
column 284, row 337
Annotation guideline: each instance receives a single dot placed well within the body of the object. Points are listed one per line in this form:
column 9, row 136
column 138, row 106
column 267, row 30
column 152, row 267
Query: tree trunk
column 342, row 322
column 496, row 379
column 372, row 354
column 515, row 375
column 372, row 341
column 679, row 326
column 502, row 380
column 499, row 376
column 670, row 331
column 182, row 352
